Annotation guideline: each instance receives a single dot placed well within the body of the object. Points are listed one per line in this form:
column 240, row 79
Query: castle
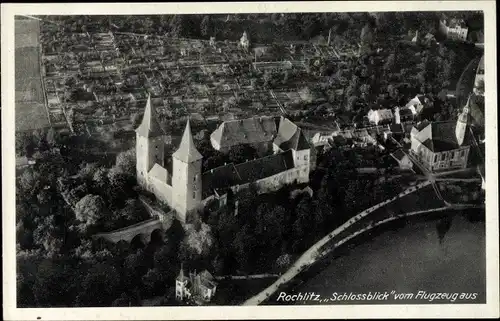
column 179, row 182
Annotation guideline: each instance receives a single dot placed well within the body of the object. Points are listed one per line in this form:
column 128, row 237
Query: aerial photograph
column 250, row 159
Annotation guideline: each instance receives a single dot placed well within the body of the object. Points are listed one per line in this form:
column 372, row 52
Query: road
column 312, row 254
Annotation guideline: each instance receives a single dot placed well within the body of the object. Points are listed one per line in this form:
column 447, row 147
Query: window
column 435, row 158
column 194, row 194
column 305, row 157
column 442, row 157
column 195, row 177
column 462, row 152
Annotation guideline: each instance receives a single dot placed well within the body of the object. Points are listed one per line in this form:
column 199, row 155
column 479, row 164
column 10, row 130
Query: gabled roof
column 297, row 142
column 442, row 137
column 286, row 131
column 159, row 172
column 398, row 154
column 149, row 127
column 187, row 151
column 245, row 131
column 224, row 177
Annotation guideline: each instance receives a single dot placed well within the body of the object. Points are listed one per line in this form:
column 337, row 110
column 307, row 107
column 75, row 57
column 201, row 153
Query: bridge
column 157, row 224
column 143, row 230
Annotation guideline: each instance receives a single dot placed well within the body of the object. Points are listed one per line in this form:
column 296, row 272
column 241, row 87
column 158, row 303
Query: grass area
column 27, row 31
column 30, row 102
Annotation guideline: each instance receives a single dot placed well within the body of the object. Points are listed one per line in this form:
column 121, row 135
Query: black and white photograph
column 251, row 158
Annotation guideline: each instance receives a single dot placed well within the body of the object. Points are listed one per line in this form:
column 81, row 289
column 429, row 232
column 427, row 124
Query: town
column 199, row 160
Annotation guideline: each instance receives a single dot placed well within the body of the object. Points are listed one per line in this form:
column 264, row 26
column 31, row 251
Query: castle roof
column 187, row 151
column 207, row 279
column 181, row 277
column 286, row 132
column 245, row 131
column 222, row 178
column 297, row 142
column 149, row 127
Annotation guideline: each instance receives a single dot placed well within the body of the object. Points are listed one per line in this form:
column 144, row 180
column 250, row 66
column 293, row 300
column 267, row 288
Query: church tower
column 186, row 176
column 149, row 143
column 462, row 122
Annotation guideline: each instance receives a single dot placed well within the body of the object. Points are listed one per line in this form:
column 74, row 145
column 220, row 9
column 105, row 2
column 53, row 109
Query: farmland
column 30, row 100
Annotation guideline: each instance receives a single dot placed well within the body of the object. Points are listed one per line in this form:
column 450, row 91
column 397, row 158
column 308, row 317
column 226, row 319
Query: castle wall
column 275, row 182
column 161, row 190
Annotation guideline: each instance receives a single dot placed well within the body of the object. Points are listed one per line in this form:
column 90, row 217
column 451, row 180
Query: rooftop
column 245, row 131
column 224, row 177
column 442, row 137
column 149, row 126
column 187, row 151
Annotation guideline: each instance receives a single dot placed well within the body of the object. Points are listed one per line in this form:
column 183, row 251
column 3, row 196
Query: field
column 30, row 102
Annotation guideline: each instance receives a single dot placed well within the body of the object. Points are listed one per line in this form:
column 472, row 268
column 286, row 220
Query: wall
column 450, row 159
column 162, row 190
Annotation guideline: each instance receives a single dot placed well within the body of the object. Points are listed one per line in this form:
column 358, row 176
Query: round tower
column 462, row 122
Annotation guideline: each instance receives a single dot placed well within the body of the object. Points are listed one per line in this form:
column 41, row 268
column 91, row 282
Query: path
column 311, row 255
column 247, row 277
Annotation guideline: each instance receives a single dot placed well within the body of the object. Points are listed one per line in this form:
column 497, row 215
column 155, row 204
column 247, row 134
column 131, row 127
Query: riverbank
column 300, row 282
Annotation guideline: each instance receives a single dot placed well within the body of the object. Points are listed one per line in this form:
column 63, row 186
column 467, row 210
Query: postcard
column 249, row 160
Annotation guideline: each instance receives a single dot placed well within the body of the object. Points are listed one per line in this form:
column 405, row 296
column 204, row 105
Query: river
column 407, row 259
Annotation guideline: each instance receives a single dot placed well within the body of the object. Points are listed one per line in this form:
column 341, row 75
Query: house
column 199, row 288
column 380, row 116
column 443, row 146
column 402, row 159
column 404, row 114
column 418, row 104
column 454, row 29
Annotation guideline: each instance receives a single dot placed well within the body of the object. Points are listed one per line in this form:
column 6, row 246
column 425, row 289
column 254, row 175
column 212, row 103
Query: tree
column 126, row 162
column 52, row 137
column 99, row 287
column 154, row 281
column 24, row 144
column 100, row 178
column 30, row 182
column 206, row 26
column 135, row 119
column 90, row 209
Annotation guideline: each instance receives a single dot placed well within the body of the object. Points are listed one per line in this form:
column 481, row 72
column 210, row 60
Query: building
column 479, row 80
column 380, row 116
column 179, row 182
column 199, row 288
column 454, row 29
column 418, row 104
column 443, row 145
column 404, row 114
column 402, row 159
column 258, row 132
column 244, row 41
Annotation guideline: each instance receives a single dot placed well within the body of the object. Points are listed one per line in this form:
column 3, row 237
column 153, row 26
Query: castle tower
column 180, row 285
column 186, row 176
column 149, row 143
column 462, row 122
